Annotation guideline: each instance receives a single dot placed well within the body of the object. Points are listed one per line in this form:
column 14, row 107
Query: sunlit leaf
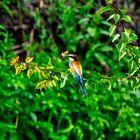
column 41, row 85
column 112, row 29
column 133, row 37
column 33, row 116
column 37, row 69
column 18, row 69
column 122, row 51
column 111, row 17
column 122, row 55
column 29, row 59
column 91, row 31
column 64, row 79
column 127, row 31
column 110, row 1
column 29, row 72
column 123, row 11
column 50, row 62
column 103, row 9
column 127, row 18
column 50, row 67
column 116, row 18
column 133, row 72
column 116, row 37
column 14, row 61
column 123, row 46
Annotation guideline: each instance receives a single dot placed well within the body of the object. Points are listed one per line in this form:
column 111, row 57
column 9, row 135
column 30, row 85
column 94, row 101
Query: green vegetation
column 39, row 97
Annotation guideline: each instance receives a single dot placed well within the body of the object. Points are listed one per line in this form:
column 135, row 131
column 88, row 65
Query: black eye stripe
column 72, row 56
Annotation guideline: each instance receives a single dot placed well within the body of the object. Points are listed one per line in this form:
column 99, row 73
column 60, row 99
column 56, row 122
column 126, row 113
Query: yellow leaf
column 50, row 67
column 38, row 69
column 29, row 59
column 17, row 102
column 14, row 61
column 18, row 70
column 41, row 85
column 110, row 1
column 29, row 72
column 56, row 78
column 50, row 84
column 54, row 83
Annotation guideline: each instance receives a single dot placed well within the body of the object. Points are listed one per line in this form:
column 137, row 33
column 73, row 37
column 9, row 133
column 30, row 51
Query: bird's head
column 73, row 57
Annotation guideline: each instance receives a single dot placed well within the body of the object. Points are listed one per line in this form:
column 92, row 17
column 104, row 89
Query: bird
column 76, row 70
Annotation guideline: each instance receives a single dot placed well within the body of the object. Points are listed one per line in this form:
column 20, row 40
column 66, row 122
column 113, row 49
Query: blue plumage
column 76, row 70
column 79, row 80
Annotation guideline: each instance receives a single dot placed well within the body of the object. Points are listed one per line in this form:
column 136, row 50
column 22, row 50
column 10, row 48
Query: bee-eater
column 76, row 70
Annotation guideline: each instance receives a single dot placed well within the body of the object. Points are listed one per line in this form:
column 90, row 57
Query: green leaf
column 132, row 65
column 123, row 11
column 133, row 37
column 125, row 37
column 116, row 37
column 127, row 31
column 33, row 116
column 109, row 86
column 112, row 16
column 116, row 18
column 6, row 8
column 91, row 31
column 83, row 21
column 103, row 9
column 133, row 72
column 122, row 51
column 50, row 61
column 122, row 55
column 50, row 67
column 112, row 29
column 136, row 92
column 64, row 77
column 127, row 18
column 2, row 27
column 123, row 45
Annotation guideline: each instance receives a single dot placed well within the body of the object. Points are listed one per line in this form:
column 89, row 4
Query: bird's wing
column 77, row 67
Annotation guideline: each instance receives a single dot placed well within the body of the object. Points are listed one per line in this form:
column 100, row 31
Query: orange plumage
column 77, row 67
column 76, row 70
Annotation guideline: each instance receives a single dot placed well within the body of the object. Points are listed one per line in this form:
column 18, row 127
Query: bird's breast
column 75, row 66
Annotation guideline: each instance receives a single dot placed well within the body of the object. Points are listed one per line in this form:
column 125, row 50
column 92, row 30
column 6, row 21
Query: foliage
column 41, row 100
column 127, row 44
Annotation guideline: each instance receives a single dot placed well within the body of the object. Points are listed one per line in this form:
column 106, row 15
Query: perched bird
column 76, row 70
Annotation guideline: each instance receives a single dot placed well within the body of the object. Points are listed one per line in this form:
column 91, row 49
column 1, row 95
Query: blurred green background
column 43, row 29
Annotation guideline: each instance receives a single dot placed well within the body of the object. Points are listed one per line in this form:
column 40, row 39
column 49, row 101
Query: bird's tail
column 84, row 91
column 80, row 82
